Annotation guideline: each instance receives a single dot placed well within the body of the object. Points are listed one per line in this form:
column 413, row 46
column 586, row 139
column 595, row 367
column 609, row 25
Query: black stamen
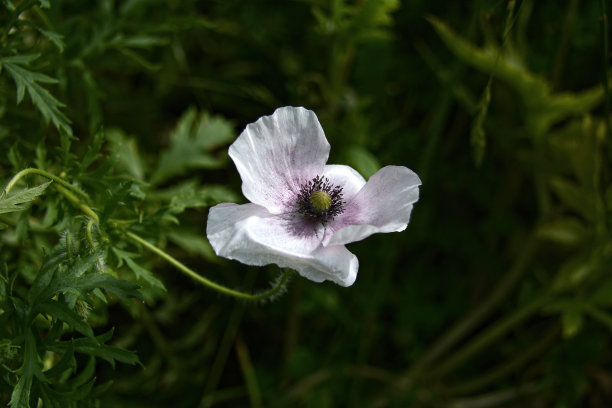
column 305, row 207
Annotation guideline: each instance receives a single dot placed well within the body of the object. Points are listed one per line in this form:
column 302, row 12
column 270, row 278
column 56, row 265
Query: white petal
column 278, row 153
column 250, row 234
column 346, row 177
column 384, row 204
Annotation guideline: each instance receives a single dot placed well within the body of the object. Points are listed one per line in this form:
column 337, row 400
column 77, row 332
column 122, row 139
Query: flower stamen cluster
column 320, row 200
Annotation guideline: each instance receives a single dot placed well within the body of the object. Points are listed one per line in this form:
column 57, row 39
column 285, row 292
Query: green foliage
column 35, row 323
column 191, row 142
column 24, row 79
column 543, row 107
column 21, row 200
column 499, row 289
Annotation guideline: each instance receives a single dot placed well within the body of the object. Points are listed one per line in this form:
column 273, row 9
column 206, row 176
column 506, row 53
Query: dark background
column 494, row 296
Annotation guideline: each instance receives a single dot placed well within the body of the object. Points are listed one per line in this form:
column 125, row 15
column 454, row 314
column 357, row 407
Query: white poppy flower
column 303, row 211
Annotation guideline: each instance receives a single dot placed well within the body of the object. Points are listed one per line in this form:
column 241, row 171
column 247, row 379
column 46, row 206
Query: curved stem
column 487, row 337
column 199, row 278
column 71, row 192
column 89, row 233
column 83, row 207
column 48, row 175
column 472, row 320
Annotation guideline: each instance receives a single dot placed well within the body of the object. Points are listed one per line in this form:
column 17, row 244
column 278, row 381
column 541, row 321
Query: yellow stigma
column 320, row 201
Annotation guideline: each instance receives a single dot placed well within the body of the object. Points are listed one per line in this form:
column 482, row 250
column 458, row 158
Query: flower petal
column 250, row 234
column 384, row 204
column 278, row 153
column 346, row 177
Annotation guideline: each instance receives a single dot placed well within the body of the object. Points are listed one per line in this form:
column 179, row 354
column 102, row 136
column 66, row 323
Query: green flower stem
column 48, row 175
column 82, row 206
column 90, row 240
column 206, row 282
column 72, row 193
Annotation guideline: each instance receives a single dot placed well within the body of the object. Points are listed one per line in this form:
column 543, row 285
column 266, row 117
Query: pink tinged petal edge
column 250, row 234
column 384, row 204
column 346, row 177
column 278, row 153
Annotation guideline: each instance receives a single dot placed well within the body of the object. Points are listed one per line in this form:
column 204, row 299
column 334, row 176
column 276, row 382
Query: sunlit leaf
column 192, row 196
column 192, row 141
column 22, row 199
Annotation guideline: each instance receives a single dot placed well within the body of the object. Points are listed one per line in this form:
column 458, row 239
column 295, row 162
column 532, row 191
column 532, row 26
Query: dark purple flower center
column 319, row 200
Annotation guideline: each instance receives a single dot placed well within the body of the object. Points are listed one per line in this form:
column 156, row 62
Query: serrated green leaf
column 61, row 311
column 77, row 279
column 145, row 275
column 122, row 255
column 128, row 156
column 192, row 196
column 19, row 59
column 371, row 17
column 46, row 103
column 61, row 399
column 117, row 198
column 191, row 143
column 93, row 152
column 85, row 375
column 54, row 37
column 20, row 397
column 22, row 199
column 67, row 362
column 97, row 347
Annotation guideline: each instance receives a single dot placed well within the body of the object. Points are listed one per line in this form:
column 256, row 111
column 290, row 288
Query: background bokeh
column 498, row 294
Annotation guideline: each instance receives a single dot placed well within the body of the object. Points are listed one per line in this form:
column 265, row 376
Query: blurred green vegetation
column 499, row 293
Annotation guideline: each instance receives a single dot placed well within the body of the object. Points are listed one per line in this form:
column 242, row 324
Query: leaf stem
column 89, row 233
column 48, row 175
column 82, row 206
column 276, row 289
column 71, row 193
